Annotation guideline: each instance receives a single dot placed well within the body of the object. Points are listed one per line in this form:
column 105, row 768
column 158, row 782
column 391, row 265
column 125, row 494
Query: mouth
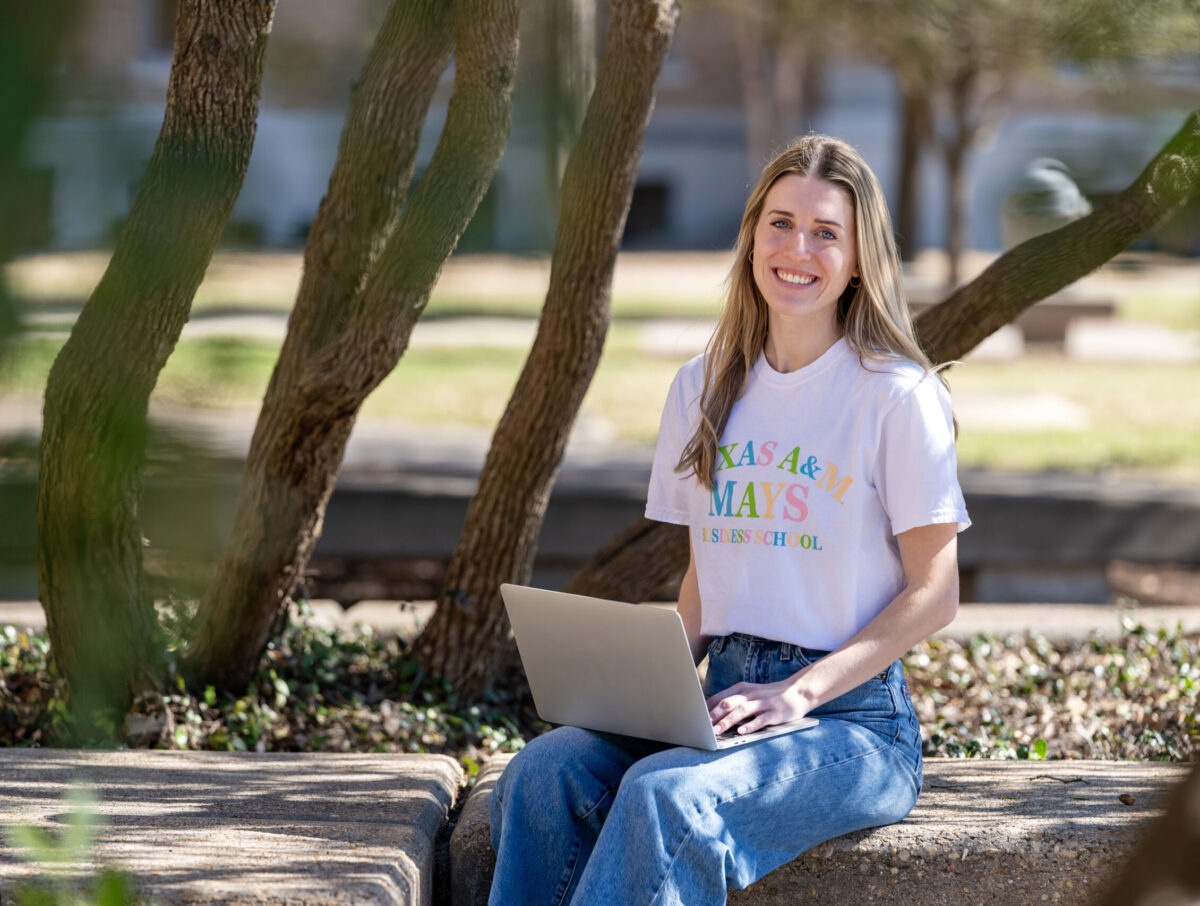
column 795, row 278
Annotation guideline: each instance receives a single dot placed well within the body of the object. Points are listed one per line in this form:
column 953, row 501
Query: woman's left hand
column 752, row 706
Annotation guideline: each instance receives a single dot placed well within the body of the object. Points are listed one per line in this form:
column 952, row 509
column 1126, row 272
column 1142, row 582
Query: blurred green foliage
column 57, row 858
column 326, row 690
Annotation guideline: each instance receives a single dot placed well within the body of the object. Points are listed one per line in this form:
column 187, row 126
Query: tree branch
column 1045, row 264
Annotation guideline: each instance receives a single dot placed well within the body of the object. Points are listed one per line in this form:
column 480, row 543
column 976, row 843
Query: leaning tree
column 499, row 538
column 99, row 612
column 373, row 253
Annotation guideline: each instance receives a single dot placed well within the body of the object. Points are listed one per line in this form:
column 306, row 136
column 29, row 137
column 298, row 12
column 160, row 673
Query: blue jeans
column 592, row 818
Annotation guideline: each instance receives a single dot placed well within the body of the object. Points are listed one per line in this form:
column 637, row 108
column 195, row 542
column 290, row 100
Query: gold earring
column 855, row 282
column 751, row 256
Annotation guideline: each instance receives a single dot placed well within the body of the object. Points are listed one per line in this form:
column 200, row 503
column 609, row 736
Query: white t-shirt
column 818, row 470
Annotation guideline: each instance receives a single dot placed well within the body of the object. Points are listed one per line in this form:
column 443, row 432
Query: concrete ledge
column 208, row 827
column 983, row 832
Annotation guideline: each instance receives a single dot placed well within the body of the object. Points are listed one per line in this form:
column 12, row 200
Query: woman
column 810, row 451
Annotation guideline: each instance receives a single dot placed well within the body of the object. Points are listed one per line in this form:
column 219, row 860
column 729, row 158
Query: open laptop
column 615, row 667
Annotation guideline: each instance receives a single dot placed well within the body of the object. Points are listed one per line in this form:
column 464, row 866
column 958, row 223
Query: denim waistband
column 787, row 650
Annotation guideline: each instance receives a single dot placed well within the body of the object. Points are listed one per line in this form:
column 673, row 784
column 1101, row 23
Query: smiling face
column 804, row 253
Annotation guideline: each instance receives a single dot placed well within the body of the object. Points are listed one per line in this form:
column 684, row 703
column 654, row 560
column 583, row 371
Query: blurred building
column 86, row 158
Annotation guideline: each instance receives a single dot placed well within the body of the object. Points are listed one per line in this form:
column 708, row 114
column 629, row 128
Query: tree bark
column 564, row 76
column 913, row 137
column 961, row 137
column 30, row 44
column 756, row 64
column 347, row 341
column 645, row 561
column 631, row 566
column 466, row 636
column 102, row 623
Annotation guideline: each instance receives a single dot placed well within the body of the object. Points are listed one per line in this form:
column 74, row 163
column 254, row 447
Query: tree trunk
column 644, row 562
column 563, row 80
column 30, row 45
column 961, row 137
column 101, row 620
column 914, row 134
column 466, row 636
column 756, row 62
column 347, row 341
column 631, row 566
column 812, row 67
column 952, row 157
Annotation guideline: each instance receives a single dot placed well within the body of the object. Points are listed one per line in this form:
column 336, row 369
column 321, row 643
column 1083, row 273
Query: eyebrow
column 818, row 220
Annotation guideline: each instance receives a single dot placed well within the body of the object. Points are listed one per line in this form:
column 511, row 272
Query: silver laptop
column 615, row 667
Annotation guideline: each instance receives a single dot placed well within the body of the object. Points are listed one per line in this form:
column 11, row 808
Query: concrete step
column 209, row 827
column 206, row 828
column 992, row 833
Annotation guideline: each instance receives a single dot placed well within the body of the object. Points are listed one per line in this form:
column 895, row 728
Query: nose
column 800, row 244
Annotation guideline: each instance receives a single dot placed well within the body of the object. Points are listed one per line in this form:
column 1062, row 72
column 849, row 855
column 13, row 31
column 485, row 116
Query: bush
column 324, row 690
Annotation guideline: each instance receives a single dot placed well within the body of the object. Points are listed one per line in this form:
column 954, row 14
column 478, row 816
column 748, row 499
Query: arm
column 689, row 608
column 929, row 601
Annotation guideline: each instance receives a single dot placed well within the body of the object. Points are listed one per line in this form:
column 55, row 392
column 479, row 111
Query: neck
column 793, row 345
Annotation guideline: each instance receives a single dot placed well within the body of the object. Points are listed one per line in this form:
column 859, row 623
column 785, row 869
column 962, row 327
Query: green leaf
column 1039, row 748
column 38, row 894
column 39, row 845
column 113, row 888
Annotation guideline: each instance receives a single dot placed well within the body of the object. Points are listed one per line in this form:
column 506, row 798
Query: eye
column 781, row 223
column 828, row 235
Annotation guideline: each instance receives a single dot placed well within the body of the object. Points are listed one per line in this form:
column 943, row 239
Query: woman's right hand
column 752, row 706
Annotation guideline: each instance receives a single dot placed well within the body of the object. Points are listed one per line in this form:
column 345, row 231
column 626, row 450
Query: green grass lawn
column 268, row 282
column 1179, row 312
column 1140, row 417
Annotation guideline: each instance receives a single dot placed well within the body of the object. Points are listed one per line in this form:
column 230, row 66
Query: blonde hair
column 873, row 315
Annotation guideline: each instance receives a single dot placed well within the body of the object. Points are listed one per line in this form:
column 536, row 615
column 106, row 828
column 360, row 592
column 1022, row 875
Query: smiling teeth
column 795, row 278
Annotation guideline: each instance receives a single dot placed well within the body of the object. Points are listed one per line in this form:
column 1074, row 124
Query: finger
column 722, row 723
column 726, row 705
column 718, row 697
column 746, row 709
column 760, row 720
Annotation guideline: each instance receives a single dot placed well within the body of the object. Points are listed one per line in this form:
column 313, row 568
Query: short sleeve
column 916, row 470
column 667, row 497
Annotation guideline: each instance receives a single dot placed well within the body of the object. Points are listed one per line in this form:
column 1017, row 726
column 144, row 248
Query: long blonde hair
column 873, row 315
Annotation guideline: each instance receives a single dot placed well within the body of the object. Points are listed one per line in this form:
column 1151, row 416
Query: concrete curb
column 983, row 832
column 209, row 827
column 472, row 859
column 1057, row 622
